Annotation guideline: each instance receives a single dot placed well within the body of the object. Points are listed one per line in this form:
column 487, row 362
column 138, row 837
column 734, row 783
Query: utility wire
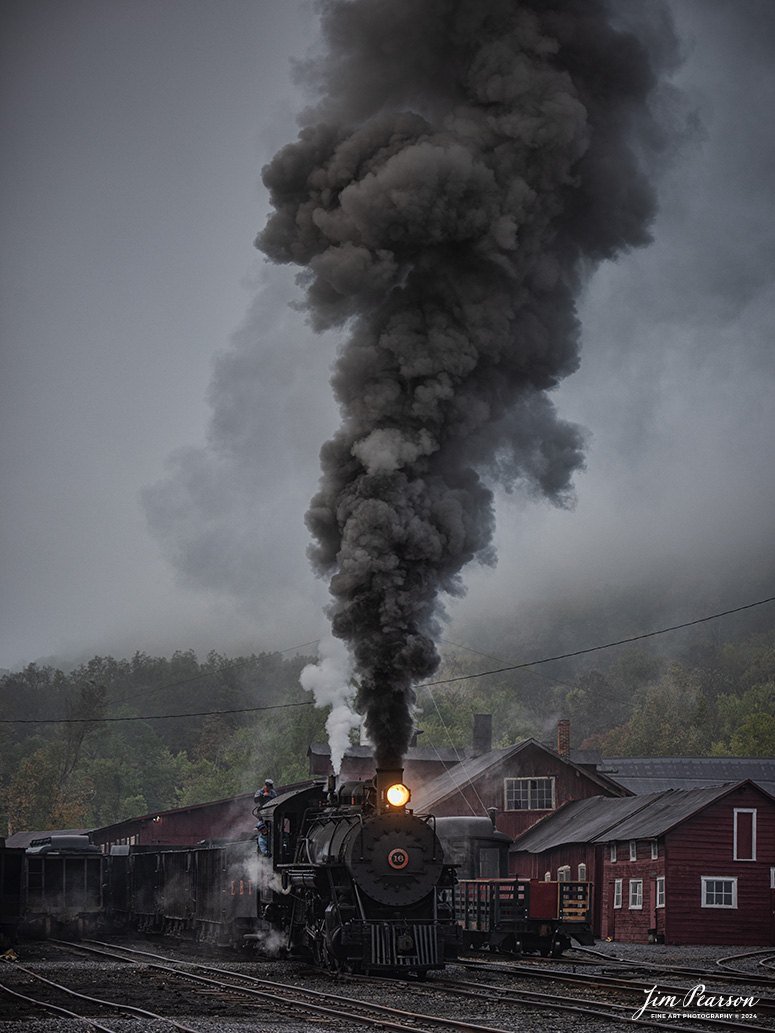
column 151, row 717
column 446, row 681
column 594, row 649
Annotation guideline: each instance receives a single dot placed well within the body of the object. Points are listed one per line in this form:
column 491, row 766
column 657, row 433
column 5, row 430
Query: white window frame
column 636, row 894
column 706, row 880
column 618, row 892
column 654, row 850
column 582, row 872
column 510, row 785
column 660, row 891
column 633, row 850
column 752, row 811
column 772, row 878
column 613, row 853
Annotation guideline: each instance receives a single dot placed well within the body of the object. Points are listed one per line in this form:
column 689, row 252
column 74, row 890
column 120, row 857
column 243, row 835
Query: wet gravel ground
column 204, row 1010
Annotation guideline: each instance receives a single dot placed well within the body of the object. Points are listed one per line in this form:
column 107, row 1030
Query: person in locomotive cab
column 265, row 793
column 262, row 835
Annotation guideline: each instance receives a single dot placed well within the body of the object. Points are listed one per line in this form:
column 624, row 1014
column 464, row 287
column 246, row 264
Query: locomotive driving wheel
column 322, row 952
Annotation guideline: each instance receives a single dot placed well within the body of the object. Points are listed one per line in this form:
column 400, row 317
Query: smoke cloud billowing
column 467, row 166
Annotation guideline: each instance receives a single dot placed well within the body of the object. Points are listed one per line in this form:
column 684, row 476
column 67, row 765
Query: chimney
column 563, row 739
column 482, row 734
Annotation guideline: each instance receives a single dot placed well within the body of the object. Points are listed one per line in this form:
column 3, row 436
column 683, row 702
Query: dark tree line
column 67, row 761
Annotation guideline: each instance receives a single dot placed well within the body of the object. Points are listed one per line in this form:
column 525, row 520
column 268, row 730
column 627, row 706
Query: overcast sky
column 162, row 407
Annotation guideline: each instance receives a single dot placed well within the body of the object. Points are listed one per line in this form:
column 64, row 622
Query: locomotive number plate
column 398, row 858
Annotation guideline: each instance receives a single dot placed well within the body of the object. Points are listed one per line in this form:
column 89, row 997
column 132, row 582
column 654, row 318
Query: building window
column 660, row 891
column 772, row 878
column 613, row 852
column 745, row 834
column 719, row 892
column 582, row 876
column 636, row 894
column 654, row 850
column 529, row 794
column 633, row 850
column 618, row 893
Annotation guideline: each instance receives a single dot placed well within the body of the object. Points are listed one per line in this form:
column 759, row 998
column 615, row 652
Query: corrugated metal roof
column 669, row 809
column 603, row 819
column 580, row 821
column 23, row 839
column 653, row 774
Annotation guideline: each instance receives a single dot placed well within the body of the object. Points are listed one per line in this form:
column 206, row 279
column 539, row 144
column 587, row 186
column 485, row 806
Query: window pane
column 719, row 892
column 529, row 794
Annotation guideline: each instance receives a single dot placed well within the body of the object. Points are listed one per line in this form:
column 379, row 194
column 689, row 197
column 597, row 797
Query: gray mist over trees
column 468, row 165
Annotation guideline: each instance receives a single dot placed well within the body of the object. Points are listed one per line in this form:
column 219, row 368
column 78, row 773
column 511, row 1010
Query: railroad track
column 243, row 990
column 724, row 967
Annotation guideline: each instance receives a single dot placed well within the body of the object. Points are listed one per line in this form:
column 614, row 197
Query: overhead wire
column 425, row 685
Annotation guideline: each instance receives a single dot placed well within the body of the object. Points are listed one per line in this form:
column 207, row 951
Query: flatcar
column 500, row 912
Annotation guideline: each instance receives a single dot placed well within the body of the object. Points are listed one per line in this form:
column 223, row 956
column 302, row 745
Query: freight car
column 206, row 892
column 358, row 882
column 11, row 893
column 496, row 911
column 61, row 887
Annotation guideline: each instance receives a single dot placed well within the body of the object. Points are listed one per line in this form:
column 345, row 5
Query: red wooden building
column 520, row 784
column 681, row 866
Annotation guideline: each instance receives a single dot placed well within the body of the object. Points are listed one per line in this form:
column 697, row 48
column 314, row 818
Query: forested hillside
column 707, row 697
column 114, row 755
column 107, row 740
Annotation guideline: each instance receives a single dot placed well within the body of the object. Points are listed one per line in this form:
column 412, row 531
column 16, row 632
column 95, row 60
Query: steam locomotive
column 358, row 882
column 353, row 881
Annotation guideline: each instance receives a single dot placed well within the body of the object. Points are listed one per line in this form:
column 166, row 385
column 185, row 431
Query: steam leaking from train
column 466, row 166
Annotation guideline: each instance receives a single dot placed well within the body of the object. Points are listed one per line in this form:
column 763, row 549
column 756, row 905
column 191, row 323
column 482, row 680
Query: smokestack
column 463, row 169
column 563, row 738
column 482, row 734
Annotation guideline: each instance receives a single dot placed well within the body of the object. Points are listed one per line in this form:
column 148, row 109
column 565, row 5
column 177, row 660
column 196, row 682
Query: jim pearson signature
column 695, row 998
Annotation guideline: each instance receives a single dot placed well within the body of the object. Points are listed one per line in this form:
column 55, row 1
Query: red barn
column 682, row 866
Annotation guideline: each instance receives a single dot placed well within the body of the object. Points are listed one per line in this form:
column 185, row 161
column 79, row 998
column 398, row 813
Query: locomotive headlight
column 398, row 795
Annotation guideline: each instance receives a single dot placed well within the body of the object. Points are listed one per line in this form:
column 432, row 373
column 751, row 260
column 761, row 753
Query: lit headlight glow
column 398, row 795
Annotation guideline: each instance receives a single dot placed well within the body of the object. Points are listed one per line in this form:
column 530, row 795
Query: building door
column 610, row 925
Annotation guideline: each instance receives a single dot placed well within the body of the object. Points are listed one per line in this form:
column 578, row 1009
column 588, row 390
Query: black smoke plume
column 467, row 165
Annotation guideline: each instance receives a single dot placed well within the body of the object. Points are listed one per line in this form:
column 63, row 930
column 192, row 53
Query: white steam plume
column 330, row 681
